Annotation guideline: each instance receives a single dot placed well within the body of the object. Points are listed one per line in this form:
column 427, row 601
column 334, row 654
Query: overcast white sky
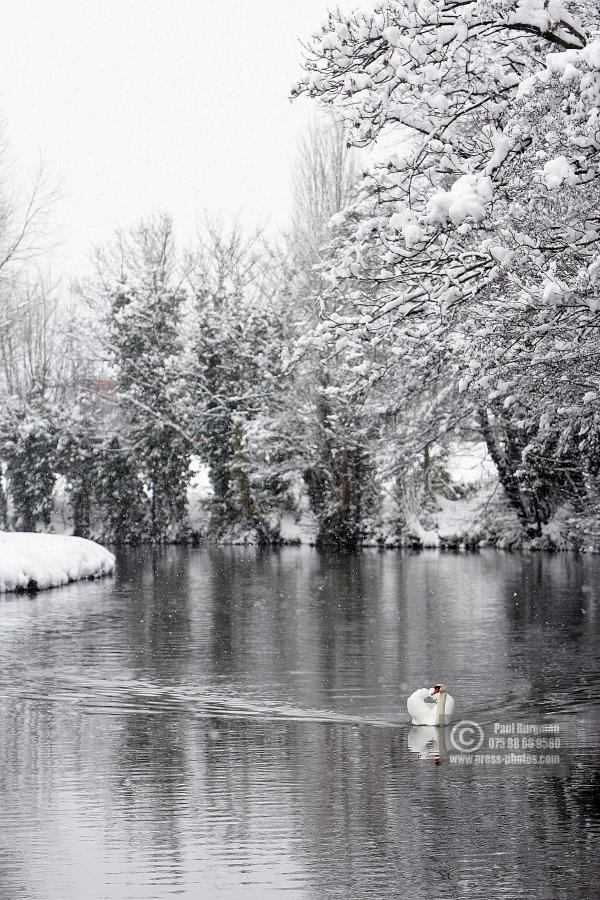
column 138, row 105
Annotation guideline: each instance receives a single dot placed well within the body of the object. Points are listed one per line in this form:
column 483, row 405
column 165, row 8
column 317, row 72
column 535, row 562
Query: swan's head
column 439, row 689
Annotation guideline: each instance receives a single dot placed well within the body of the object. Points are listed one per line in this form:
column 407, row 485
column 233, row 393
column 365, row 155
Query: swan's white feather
column 423, row 713
column 417, row 707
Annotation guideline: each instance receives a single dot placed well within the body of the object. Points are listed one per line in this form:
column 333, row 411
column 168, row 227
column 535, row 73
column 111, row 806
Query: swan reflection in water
column 429, row 742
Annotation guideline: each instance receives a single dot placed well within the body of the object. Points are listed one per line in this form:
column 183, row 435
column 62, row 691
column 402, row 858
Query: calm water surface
column 232, row 724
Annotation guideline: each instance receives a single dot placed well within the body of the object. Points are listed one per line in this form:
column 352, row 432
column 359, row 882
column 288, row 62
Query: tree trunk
column 345, row 485
column 82, row 514
column 508, row 479
column 3, row 506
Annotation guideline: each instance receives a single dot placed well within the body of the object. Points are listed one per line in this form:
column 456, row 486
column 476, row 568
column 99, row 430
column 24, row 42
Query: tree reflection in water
column 235, row 720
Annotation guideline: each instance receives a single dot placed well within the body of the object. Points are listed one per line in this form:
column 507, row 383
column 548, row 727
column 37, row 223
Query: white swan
column 431, row 706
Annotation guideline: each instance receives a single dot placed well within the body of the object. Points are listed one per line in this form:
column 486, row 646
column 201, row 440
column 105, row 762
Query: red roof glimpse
column 102, row 385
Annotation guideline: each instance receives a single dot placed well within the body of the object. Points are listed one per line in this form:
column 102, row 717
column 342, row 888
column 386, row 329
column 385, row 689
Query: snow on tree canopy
column 466, row 199
column 469, row 254
column 490, row 189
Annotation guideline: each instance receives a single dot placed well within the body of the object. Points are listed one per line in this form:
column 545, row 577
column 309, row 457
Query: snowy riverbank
column 37, row 561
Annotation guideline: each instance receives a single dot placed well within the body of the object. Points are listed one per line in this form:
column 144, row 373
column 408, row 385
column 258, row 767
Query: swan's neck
column 440, row 711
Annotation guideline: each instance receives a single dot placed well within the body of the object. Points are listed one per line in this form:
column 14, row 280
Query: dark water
column 228, row 724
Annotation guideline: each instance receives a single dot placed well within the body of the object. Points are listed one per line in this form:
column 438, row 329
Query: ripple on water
column 233, row 724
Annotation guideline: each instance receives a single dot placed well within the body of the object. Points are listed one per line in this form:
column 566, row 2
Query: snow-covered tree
column 233, row 372
column 79, row 435
column 120, row 491
column 144, row 342
column 317, row 427
column 28, row 450
column 480, row 228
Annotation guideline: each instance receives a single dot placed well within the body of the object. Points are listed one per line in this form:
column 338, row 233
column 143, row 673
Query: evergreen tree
column 78, row 461
column 233, row 372
column 29, row 453
column 144, row 323
column 120, row 493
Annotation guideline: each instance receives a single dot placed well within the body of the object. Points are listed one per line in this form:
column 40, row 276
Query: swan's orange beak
column 436, row 689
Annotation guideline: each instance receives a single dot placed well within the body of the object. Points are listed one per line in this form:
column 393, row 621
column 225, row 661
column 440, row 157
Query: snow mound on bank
column 49, row 560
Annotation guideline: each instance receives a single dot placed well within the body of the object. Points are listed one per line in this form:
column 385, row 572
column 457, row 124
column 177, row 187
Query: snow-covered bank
column 37, row 561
